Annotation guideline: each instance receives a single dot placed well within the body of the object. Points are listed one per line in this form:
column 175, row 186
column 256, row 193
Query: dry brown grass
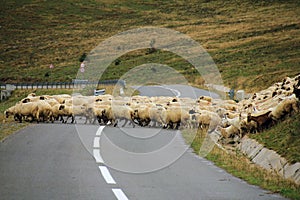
column 247, row 42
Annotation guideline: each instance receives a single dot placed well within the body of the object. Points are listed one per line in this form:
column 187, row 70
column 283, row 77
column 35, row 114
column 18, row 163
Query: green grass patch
column 257, row 41
column 284, row 138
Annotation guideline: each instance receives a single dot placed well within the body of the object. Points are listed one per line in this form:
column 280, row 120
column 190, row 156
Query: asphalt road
column 61, row 161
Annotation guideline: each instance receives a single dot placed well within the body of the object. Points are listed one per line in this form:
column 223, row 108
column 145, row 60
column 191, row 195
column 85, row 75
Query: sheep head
column 61, row 107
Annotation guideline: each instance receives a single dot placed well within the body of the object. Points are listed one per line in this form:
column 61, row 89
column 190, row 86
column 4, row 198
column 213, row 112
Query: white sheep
column 45, row 111
column 29, row 110
column 206, row 119
column 174, row 116
column 230, row 132
column 232, row 122
column 116, row 113
column 72, row 111
column 206, row 98
column 142, row 115
column 285, row 107
column 155, row 114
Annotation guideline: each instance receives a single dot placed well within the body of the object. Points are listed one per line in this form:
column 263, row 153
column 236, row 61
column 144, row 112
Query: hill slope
column 254, row 43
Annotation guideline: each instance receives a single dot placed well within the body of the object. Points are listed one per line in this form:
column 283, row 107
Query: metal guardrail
column 63, row 85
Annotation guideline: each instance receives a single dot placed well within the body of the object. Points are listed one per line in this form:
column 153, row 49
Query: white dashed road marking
column 97, row 156
column 119, row 194
column 106, row 175
column 99, row 131
column 97, row 142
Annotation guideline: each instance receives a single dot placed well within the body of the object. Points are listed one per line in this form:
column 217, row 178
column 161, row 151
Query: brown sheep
column 263, row 120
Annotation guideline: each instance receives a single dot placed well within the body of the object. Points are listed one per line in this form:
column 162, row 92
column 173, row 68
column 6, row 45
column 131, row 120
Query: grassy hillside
column 284, row 138
column 254, row 43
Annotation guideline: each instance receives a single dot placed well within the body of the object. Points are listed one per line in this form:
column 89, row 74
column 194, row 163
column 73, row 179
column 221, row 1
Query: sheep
column 81, row 100
column 263, row 120
column 29, row 109
column 11, row 111
column 229, row 132
column 32, row 99
column 45, row 111
column 52, row 101
column 206, row 119
column 31, row 95
column 155, row 114
column 206, row 98
column 104, row 98
column 174, row 116
column 248, row 127
column 72, row 111
column 95, row 112
column 285, row 107
column 116, row 113
column 57, row 112
column 61, row 98
column 142, row 115
column 232, row 122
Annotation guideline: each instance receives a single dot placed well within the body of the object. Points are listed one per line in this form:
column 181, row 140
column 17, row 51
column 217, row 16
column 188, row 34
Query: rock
column 292, row 172
column 269, row 159
column 250, row 147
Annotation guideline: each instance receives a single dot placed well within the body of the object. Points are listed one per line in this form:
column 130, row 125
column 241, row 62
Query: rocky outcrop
column 269, row 159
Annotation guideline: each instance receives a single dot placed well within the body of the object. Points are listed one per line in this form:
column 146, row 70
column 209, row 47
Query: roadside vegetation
column 284, row 138
column 240, row 166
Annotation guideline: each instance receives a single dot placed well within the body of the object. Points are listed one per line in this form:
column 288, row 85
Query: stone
column 292, row 172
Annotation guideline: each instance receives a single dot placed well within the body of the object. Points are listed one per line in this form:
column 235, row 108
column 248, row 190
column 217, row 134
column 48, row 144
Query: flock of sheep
column 228, row 117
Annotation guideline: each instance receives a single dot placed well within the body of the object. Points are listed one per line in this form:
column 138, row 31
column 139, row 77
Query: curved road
column 59, row 161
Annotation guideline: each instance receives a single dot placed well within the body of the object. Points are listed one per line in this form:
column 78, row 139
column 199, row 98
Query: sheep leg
column 66, row 119
column 126, row 120
column 153, row 124
column 133, row 125
column 115, row 123
column 86, row 119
